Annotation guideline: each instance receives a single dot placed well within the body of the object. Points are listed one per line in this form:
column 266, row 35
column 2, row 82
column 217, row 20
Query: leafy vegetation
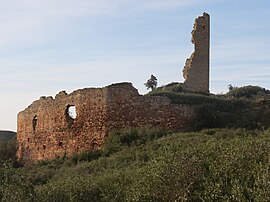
column 210, row 165
column 7, row 146
column 245, row 107
column 151, row 83
column 7, row 135
column 246, row 92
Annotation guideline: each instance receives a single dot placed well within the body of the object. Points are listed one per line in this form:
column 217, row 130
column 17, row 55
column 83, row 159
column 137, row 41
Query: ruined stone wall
column 139, row 110
column 196, row 70
column 56, row 134
column 45, row 130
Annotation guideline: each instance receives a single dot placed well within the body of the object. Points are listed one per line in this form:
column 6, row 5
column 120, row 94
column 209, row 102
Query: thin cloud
column 28, row 21
column 118, row 67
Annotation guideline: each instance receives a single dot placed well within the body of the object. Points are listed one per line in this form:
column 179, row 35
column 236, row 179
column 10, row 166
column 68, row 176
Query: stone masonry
column 196, row 70
column 46, row 131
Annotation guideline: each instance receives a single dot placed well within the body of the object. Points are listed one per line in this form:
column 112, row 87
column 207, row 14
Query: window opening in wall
column 34, row 122
column 72, row 111
column 71, row 114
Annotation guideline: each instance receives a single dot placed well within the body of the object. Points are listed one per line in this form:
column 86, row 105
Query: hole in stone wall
column 71, row 114
column 34, row 122
column 44, row 147
column 60, row 144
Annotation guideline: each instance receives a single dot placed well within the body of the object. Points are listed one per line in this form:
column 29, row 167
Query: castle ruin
column 46, row 130
column 196, row 70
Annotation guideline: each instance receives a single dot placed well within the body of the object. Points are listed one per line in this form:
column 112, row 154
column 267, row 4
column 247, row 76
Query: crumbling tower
column 196, row 70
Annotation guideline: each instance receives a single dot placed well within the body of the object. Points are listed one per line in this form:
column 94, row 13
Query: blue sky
column 51, row 45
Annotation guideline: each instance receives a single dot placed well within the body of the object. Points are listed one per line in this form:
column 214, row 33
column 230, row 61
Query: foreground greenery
column 152, row 165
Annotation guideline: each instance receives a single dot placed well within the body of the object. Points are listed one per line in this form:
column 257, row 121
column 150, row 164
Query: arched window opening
column 34, row 122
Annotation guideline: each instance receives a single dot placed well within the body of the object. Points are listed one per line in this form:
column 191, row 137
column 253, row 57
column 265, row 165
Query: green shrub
column 246, row 92
column 7, row 135
column 212, row 165
column 117, row 140
column 13, row 184
column 234, row 109
column 174, row 87
column 8, row 150
column 86, row 156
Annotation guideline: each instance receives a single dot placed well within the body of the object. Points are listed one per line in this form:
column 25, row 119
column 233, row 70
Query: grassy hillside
column 7, row 146
column 245, row 107
column 152, row 165
column 7, row 135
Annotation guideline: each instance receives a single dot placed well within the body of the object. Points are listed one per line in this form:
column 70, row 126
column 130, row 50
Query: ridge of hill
column 243, row 107
column 7, row 135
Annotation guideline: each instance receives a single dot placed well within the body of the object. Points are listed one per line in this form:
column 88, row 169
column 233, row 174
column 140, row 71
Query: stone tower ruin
column 196, row 70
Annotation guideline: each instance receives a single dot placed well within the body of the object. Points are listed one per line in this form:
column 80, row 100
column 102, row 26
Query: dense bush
column 213, row 165
column 246, row 92
column 237, row 108
column 232, row 114
column 174, row 87
column 7, row 150
column 7, row 135
column 131, row 137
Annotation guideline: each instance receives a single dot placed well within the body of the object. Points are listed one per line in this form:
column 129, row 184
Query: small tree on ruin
column 151, row 83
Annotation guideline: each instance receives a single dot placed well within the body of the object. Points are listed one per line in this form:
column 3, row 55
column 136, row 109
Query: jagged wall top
column 196, row 69
column 46, row 131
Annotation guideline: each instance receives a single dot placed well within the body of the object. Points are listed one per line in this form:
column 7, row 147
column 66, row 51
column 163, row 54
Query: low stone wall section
column 45, row 130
